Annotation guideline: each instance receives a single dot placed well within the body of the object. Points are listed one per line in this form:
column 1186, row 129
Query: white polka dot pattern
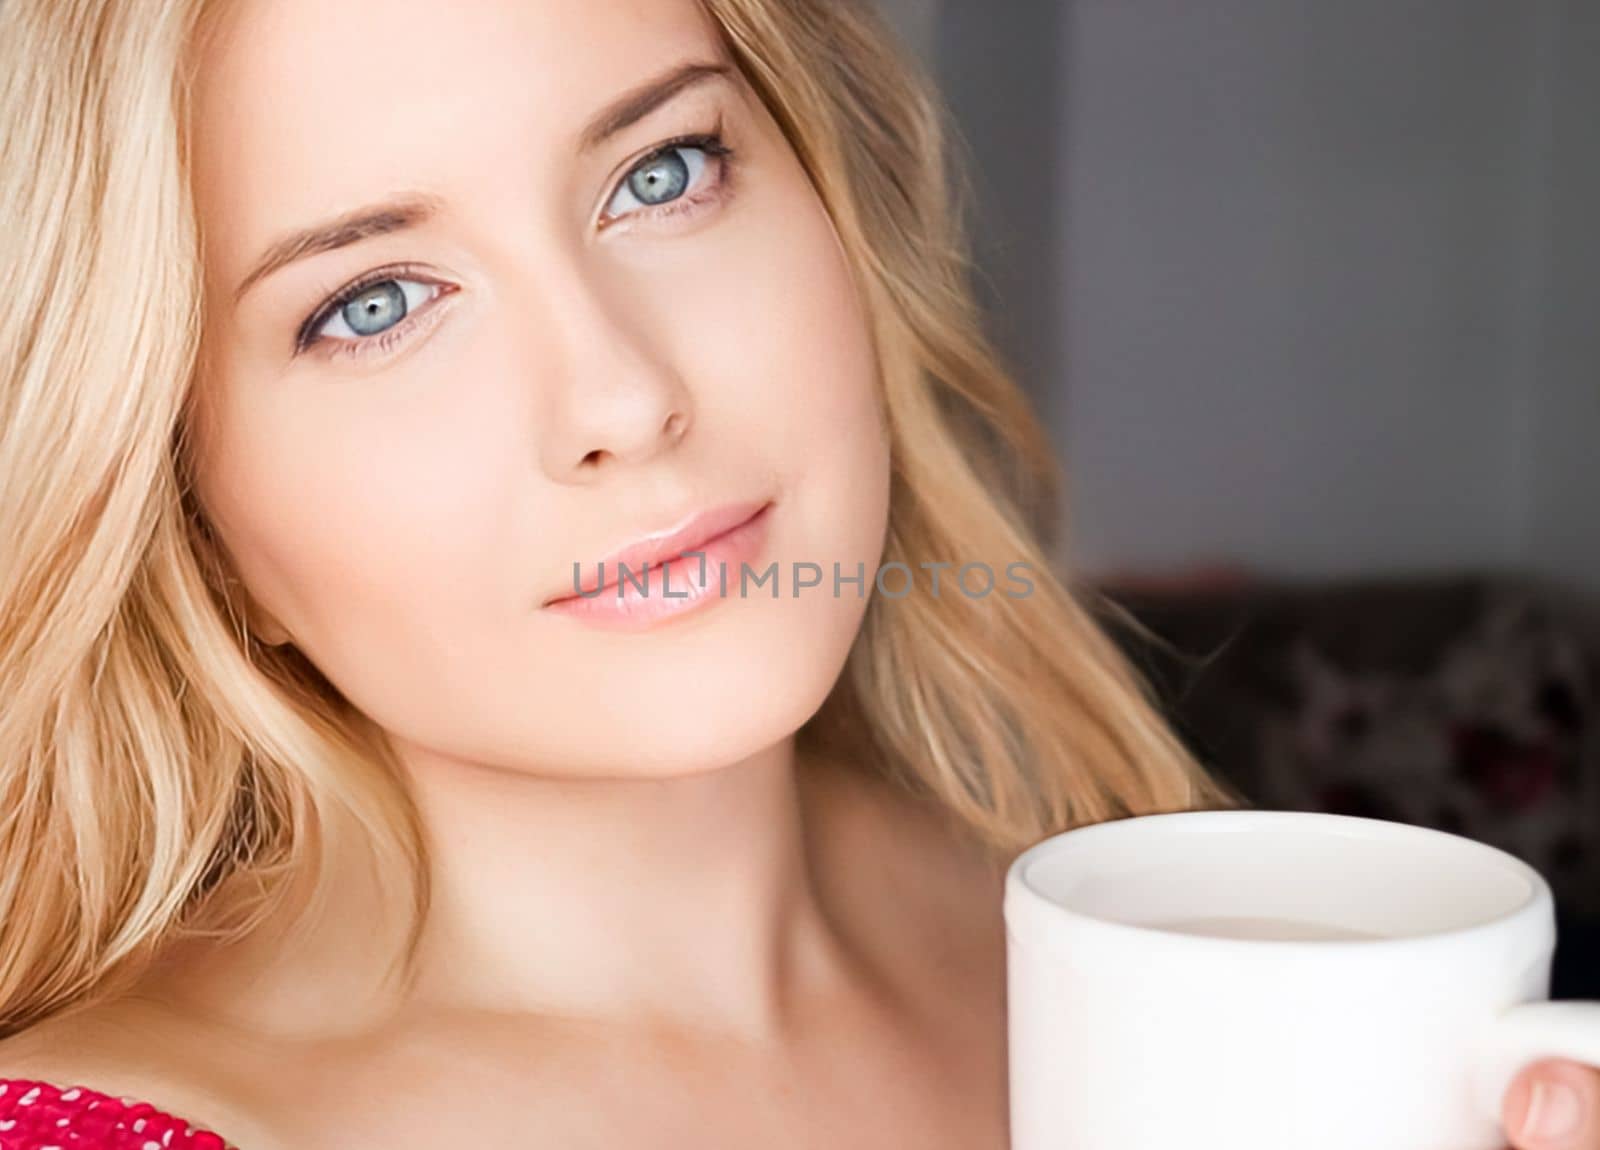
column 37, row 1115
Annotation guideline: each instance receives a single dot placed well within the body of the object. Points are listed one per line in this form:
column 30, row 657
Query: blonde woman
column 346, row 802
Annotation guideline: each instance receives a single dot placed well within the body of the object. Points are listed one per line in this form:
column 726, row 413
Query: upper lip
column 670, row 543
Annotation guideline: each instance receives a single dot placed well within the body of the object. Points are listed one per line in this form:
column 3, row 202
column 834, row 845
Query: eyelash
column 690, row 202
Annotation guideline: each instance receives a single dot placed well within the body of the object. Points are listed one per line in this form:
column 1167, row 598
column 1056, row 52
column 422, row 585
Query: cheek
column 359, row 525
column 783, row 355
column 825, row 417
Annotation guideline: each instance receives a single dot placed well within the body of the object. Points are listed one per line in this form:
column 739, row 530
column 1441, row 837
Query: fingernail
column 1554, row 1112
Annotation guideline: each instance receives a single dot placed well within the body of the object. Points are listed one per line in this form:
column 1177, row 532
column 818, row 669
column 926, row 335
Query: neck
column 691, row 900
column 688, row 899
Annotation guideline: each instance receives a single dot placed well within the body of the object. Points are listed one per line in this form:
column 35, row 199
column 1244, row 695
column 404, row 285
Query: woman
column 340, row 812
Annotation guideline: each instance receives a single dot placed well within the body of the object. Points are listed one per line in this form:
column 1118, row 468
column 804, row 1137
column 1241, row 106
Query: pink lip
column 694, row 580
column 659, row 547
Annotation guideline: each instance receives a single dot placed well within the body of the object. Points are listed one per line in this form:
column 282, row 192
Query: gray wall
column 1302, row 284
column 999, row 70
column 1290, row 259
column 999, row 66
column 1561, row 529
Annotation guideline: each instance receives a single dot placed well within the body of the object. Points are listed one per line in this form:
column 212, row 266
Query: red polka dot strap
column 36, row 1115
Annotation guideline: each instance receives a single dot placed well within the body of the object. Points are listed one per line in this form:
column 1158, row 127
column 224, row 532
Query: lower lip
column 674, row 588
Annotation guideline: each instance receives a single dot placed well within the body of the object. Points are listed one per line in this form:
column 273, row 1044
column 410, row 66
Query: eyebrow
column 634, row 106
column 413, row 209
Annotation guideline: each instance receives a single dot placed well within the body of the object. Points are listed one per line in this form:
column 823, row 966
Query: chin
column 716, row 696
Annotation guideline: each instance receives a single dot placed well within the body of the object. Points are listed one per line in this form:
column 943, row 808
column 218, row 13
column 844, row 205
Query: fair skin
column 642, row 893
column 655, row 923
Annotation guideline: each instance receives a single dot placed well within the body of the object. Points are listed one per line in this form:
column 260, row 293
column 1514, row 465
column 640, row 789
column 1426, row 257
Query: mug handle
column 1527, row 1032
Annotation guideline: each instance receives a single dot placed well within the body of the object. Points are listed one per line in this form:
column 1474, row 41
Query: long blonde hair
column 162, row 773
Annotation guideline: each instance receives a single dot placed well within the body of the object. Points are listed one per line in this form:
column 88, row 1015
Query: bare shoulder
column 100, row 1042
column 129, row 1051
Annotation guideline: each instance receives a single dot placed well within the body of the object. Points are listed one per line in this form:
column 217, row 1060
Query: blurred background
column 1305, row 292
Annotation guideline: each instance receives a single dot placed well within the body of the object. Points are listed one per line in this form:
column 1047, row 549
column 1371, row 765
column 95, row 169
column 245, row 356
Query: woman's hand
column 1554, row 1105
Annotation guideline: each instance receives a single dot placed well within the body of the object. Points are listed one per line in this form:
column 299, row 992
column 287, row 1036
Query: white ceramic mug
column 1261, row 980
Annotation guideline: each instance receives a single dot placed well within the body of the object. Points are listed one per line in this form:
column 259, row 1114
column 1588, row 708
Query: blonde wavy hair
column 163, row 773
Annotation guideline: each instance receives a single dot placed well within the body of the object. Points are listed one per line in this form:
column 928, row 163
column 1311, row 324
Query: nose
column 618, row 398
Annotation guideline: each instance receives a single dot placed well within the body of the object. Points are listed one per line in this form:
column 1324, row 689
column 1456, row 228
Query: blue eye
column 669, row 173
column 665, row 178
column 375, row 309
column 369, row 313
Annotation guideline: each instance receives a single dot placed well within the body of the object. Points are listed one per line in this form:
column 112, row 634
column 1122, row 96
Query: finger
column 1554, row 1105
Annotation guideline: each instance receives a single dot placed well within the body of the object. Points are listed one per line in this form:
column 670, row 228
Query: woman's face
column 558, row 344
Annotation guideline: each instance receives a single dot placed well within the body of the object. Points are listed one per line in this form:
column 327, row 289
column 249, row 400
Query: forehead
column 302, row 108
